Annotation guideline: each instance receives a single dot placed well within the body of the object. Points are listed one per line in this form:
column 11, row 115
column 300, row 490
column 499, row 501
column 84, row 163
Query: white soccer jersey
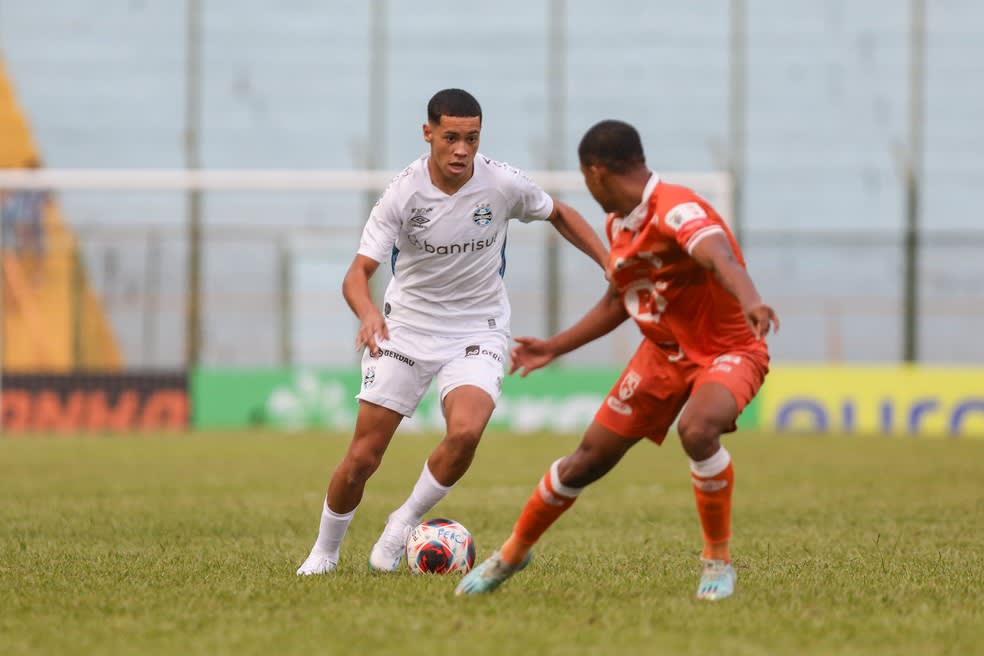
column 448, row 253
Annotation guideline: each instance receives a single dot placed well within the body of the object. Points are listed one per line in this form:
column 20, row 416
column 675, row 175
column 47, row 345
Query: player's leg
column 469, row 382
column 720, row 393
column 467, row 410
column 643, row 402
column 393, row 382
column 374, row 428
column 600, row 449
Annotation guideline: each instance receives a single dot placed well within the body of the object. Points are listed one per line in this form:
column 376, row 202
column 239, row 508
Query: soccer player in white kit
column 441, row 226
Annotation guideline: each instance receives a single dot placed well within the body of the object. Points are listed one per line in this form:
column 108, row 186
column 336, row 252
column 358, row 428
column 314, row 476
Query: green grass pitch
column 188, row 545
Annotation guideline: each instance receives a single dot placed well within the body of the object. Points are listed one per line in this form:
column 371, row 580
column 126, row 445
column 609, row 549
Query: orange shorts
column 658, row 381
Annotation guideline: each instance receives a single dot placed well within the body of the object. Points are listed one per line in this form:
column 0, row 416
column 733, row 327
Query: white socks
column 331, row 531
column 713, row 465
column 426, row 494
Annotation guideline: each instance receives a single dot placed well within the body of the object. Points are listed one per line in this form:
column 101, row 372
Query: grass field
column 188, row 544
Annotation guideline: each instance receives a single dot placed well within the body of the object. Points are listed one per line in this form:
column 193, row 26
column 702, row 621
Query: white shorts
column 409, row 361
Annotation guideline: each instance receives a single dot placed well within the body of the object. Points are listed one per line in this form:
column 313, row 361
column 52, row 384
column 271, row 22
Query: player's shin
column 547, row 503
column 331, row 530
column 426, row 494
column 713, row 480
column 324, row 554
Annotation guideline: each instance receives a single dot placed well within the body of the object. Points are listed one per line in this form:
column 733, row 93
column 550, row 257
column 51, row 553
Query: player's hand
column 530, row 354
column 371, row 330
column 760, row 319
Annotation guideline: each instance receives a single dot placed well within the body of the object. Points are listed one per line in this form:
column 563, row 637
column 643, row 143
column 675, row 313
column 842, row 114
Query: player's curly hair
column 452, row 102
column 613, row 144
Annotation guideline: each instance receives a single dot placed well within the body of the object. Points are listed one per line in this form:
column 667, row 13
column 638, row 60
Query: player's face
column 594, row 180
column 454, row 142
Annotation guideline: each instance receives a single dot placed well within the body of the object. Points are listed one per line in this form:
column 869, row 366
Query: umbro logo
column 418, row 216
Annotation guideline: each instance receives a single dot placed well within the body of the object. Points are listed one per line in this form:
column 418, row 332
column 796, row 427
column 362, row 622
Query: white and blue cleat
column 489, row 575
column 717, row 580
column 318, row 562
column 391, row 547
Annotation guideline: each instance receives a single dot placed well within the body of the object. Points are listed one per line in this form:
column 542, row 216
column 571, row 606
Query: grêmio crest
column 482, row 215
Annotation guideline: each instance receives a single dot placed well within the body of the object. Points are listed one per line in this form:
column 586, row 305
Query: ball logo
column 482, row 215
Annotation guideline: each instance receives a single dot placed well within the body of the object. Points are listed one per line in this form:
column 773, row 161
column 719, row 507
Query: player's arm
column 355, row 289
column 572, row 227
column 714, row 253
column 531, row 353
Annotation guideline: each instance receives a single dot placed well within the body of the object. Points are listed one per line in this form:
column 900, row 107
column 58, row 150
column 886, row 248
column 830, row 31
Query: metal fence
column 274, row 296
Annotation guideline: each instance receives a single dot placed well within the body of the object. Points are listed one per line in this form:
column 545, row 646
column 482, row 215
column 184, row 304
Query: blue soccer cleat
column 489, row 575
column 717, row 580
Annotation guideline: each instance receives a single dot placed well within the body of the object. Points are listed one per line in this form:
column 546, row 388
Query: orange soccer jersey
column 671, row 297
column 694, row 328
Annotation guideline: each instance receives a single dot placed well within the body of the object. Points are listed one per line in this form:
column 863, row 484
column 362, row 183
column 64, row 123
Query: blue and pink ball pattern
column 440, row 546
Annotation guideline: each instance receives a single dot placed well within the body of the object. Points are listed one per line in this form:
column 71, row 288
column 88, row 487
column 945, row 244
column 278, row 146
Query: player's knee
column 697, row 434
column 463, row 440
column 361, row 464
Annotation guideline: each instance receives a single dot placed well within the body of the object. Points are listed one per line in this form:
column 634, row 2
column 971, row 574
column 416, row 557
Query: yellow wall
column 52, row 320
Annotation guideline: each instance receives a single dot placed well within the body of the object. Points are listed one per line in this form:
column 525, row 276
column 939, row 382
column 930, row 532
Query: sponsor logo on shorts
column 475, row 349
column 399, row 357
column 492, row 354
column 387, row 308
column 491, row 323
column 369, row 378
column 620, row 407
column 724, row 363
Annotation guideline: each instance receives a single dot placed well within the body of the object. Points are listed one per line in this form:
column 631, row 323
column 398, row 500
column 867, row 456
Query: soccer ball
column 440, row 546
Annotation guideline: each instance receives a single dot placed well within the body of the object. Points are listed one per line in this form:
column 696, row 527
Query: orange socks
column 714, row 480
column 545, row 505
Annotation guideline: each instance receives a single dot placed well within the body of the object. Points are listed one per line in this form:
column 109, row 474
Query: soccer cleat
column 717, row 580
column 318, row 562
column 391, row 546
column 489, row 575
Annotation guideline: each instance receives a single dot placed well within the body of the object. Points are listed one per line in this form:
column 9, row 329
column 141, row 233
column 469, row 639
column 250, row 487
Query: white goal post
column 716, row 186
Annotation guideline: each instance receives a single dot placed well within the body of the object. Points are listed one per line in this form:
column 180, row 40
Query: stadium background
column 845, row 137
column 177, row 372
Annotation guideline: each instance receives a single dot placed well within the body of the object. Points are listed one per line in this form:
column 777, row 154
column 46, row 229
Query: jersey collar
column 638, row 216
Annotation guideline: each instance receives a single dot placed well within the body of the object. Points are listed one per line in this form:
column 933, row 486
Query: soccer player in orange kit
column 676, row 269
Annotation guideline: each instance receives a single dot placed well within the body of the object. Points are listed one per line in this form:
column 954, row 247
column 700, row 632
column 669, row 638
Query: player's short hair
column 452, row 102
column 613, row 144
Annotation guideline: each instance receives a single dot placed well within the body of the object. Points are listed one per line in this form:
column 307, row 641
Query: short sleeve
column 689, row 222
column 382, row 230
column 532, row 203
